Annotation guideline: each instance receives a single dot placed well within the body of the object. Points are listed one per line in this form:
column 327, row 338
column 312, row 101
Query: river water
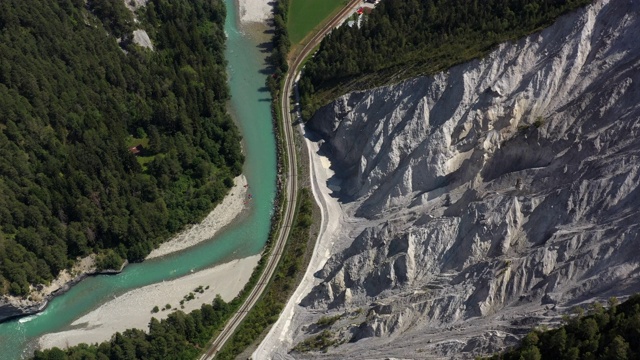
column 250, row 106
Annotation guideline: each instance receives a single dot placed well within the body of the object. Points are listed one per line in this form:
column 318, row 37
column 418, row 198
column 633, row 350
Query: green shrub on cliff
column 109, row 260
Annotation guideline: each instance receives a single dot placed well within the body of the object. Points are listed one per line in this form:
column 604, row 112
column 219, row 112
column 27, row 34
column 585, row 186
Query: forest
column 600, row 333
column 278, row 57
column 406, row 38
column 185, row 336
column 107, row 147
column 179, row 336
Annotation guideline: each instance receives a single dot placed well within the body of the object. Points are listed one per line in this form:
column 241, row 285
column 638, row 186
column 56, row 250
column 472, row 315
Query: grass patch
column 144, row 161
column 135, row 141
column 144, row 157
column 306, row 15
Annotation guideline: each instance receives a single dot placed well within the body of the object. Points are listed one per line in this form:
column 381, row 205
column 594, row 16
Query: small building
column 136, row 149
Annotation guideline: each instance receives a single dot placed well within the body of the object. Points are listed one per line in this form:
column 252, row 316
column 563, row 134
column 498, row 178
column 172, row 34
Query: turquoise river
column 250, row 105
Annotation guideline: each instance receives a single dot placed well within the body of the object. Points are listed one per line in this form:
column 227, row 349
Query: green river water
column 250, row 105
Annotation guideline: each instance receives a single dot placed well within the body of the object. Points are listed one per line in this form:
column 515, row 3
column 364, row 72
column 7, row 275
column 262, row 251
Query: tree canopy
column 76, row 95
column 185, row 336
column 612, row 333
column 404, row 38
column 179, row 336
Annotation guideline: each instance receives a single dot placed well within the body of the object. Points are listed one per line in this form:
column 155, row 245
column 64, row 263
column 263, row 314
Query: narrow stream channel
column 250, row 105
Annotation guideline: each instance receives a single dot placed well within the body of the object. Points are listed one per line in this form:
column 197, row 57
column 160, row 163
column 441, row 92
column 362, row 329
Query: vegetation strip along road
column 291, row 186
column 291, row 194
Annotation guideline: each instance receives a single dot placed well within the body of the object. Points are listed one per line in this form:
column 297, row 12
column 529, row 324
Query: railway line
column 291, row 186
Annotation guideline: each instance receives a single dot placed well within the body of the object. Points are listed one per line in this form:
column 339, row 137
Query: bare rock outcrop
column 40, row 295
column 140, row 36
column 486, row 199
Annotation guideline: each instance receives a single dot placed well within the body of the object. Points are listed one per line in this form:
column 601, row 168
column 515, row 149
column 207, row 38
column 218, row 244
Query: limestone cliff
column 486, row 199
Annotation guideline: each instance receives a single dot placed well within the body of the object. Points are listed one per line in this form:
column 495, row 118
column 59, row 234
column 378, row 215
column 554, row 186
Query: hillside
column 478, row 202
column 405, row 38
column 105, row 146
column 601, row 334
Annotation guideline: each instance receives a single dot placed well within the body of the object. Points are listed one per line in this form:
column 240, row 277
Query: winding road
column 291, row 183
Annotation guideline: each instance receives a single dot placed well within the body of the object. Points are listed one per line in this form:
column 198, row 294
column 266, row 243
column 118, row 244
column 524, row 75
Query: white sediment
column 221, row 216
column 133, row 309
column 320, row 173
column 141, row 38
column 255, row 11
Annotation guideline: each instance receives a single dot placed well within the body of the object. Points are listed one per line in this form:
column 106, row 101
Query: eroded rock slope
column 485, row 199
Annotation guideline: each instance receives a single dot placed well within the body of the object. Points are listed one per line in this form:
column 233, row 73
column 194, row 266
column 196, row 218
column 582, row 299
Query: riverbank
column 133, row 309
column 255, row 11
column 14, row 306
column 223, row 214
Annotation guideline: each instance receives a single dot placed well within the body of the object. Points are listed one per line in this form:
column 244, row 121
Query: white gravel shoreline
column 133, row 309
column 221, row 216
column 254, row 11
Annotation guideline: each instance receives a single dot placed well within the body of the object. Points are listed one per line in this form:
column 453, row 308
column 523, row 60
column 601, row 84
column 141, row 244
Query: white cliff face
column 140, row 36
column 487, row 199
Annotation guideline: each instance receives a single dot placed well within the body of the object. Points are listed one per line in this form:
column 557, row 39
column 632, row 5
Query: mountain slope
column 486, row 199
column 405, row 38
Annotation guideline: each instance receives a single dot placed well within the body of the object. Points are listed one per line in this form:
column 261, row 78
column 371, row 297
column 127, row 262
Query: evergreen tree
column 75, row 95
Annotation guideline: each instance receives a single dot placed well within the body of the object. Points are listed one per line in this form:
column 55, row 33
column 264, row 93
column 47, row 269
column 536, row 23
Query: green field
column 305, row 15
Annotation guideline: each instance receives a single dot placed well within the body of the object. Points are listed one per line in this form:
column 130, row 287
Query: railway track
column 291, row 186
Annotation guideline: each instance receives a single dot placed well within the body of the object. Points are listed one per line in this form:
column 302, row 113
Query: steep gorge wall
column 488, row 198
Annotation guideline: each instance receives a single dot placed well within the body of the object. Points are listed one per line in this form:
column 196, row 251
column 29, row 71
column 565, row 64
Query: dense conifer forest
column 185, row 336
column 76, row 96
column 612, row 333
column 180, row 336
column 405, row 38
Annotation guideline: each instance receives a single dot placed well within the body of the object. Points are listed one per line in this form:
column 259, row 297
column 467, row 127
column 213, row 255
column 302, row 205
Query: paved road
column 291, row 185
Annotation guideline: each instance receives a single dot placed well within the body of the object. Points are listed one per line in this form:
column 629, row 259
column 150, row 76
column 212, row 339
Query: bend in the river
column 250, row 105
